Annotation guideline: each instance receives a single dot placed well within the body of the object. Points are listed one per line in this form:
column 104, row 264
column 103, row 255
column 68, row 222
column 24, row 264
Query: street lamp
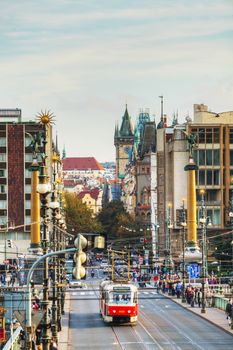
column 44, row 188
column 231, row 223
column 168, row 254
column 54, row 205
column 155, row 250
column 203, row 223
column 184, row 224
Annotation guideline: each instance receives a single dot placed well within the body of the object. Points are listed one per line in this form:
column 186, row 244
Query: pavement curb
column 64, row 334
column 200, row 315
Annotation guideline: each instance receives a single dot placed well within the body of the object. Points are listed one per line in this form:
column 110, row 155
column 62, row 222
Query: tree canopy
column 78, row 216
column 115, row 219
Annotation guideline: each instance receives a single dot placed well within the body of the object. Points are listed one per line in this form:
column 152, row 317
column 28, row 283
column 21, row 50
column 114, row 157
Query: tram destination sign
column 122, row 289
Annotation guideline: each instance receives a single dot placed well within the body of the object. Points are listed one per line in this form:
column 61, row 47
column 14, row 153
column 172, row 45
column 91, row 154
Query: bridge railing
column 13, row 342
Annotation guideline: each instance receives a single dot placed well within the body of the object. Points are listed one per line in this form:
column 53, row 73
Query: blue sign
column 193, row 270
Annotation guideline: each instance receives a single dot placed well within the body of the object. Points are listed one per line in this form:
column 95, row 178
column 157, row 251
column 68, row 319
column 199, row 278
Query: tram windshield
column 119, row 297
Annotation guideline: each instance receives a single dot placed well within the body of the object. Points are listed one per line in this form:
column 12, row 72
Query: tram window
column 135, row 297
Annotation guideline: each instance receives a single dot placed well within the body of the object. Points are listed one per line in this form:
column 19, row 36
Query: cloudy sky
column 85, row 59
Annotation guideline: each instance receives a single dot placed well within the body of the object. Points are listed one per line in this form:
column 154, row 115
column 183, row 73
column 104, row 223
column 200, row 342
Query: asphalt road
column 162, row 324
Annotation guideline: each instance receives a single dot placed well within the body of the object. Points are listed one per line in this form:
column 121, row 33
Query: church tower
column 123, row 141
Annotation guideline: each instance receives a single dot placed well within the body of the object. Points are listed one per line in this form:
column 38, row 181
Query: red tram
column 118, row 302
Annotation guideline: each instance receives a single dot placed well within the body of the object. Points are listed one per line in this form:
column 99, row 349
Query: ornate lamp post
column 184, row 224
column 43, row 189
column 203, row 274
column 155, row 250
column 169, row 226
column 54, row 205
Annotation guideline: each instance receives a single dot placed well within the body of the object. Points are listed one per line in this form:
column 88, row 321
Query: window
column 216, row 177
column 231, row 136
column 209, row 177
column 27, row 220
column 27, row 188
column 27, row 141
column 216, row 135
column 3, row 204
column 28, row 173
column 216, row 217
column 209, row 157
column 2, row 173
column 2, row 188
column 209, row 215
column 27, row 204
column 208, row 135
column 202, row 157
column 28, row 157
column 2, row 157
column 216, row 157
column 231, row 157
column 201, row 177
column 201, row 135
column 195, row 156
column 2, row 142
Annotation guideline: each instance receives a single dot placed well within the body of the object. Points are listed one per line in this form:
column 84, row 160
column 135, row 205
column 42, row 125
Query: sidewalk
column 212, row 315
column 63, row 336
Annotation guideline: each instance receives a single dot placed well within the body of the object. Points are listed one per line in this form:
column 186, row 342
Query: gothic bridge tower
column 123, row 141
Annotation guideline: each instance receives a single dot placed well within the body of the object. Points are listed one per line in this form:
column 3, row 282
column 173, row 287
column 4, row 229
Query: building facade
column 16, row 157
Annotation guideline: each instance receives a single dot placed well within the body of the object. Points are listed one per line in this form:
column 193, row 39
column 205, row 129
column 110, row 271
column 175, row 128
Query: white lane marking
column 150, row 335
column 142, row 306
column 74, row 293
column 82, row 293
column 182, row 333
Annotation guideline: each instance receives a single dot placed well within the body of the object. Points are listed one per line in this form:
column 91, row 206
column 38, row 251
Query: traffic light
column 79, row 272
column 9, row 243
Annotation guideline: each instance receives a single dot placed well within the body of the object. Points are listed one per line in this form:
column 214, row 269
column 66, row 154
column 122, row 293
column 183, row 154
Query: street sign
column 37, row 316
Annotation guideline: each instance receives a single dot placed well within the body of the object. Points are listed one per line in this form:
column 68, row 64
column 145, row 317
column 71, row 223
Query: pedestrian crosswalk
column 94, row 293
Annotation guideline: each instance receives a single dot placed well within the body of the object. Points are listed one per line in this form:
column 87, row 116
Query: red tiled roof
column 71, row 182
column 81, row 163
column 94, row 193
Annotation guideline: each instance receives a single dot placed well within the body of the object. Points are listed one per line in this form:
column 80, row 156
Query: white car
column 76, row 284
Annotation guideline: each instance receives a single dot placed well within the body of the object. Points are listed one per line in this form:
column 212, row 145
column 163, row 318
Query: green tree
column 115, row 219
column 78, row 216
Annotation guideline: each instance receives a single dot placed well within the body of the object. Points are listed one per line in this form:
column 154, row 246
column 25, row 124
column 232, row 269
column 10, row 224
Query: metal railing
column 13, row 342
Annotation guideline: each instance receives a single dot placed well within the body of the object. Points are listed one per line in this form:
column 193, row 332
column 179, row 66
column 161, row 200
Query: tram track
column 172, row 325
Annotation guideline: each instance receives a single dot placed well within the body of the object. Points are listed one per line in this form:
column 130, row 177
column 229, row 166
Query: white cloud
column 85, row 60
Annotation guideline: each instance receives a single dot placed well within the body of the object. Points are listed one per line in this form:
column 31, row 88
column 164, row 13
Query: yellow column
column 191, row 203
column 191, row 208
column 35, row 211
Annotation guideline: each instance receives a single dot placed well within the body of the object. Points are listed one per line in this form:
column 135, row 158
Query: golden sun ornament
column 45, row 118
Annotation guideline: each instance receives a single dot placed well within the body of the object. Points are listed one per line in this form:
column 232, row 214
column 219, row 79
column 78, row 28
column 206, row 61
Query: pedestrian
column 199, row 297
column 229, row 311
column 53, row 345
column 35, row 306
column 37, row 300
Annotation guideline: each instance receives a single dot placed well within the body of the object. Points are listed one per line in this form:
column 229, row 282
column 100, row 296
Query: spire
column 126, row 127
column 63, row 153
column 116, row 134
